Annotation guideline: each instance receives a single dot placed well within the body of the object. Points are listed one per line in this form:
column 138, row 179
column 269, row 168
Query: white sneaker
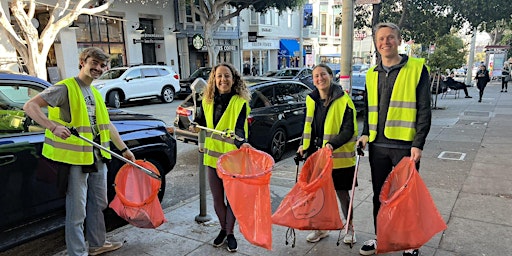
column 369, row 247
column 350, row 237
column 317, row 235
column 107, row 247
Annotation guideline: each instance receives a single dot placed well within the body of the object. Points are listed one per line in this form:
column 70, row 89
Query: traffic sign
column 360, row 34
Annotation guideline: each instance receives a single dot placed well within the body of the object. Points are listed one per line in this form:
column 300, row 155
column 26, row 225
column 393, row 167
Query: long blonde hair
column 238, row 84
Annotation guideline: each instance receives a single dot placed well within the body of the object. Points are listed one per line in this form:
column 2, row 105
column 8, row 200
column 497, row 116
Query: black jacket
column 423, row 116
column 220, row 103
column 317, row 131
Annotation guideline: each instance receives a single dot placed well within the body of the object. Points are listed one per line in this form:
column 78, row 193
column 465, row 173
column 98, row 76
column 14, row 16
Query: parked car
column 460, row 72
column 203, row 73
column 276, row 117
column 123, row 84
column 30, row 203
column 293, row 73
column 359, row 89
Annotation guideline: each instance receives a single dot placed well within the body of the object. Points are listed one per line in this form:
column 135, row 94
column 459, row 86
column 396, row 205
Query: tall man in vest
column 73, row 102
column 398, row 114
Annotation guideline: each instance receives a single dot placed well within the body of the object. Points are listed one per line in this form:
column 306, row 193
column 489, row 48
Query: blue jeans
column 86, row 198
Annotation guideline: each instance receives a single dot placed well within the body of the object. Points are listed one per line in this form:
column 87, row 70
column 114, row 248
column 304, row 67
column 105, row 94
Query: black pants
column 504, row 83
column 382, row 161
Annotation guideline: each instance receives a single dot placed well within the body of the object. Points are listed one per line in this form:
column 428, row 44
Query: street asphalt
column 466, row 166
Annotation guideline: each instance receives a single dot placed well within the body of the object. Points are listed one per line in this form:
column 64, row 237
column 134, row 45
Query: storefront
column 289, row 53
column 259, row 56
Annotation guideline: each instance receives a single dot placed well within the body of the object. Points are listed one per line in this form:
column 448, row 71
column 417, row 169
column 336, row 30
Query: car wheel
column 278, row 144
column 160, row 170
column 167, row 95
column 114, row 99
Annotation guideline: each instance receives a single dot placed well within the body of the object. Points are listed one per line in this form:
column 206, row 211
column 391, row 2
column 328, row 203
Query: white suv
column 124, row 84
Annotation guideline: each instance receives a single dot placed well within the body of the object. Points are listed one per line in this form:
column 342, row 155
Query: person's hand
column 193, row 127
column 129, row 155
column 300, row 151
column 329, row 146
column 416, row 154
column 363, row 140
column 61, row 131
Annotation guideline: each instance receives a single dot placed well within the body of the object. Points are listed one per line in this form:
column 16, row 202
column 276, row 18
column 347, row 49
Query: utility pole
column 301, row 40
column 347, row 40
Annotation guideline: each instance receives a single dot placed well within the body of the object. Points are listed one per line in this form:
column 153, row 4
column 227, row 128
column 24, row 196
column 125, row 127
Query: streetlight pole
column 301, row 40
column 347, row 40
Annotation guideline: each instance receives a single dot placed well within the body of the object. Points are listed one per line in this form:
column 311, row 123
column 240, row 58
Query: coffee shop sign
column 222, row 48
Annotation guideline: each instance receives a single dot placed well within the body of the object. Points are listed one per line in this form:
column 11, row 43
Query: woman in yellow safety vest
column 224, row 107
column 331, row 122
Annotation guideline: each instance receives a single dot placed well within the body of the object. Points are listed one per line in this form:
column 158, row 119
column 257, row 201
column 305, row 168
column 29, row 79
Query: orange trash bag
column 245, row 174
column 311, row 204
column 408, row 217
column 136, row 198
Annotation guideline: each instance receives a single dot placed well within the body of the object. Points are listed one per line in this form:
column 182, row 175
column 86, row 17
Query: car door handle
column 7, row 159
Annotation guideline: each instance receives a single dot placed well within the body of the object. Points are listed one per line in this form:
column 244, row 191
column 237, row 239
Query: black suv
column 278, row 110
column 30, row 204
column 185, row 90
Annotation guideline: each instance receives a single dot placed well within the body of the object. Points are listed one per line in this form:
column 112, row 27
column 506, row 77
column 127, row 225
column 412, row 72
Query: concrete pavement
column 466, row 165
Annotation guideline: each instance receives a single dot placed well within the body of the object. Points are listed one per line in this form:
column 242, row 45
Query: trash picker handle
column 74, row 131
column 228, row 134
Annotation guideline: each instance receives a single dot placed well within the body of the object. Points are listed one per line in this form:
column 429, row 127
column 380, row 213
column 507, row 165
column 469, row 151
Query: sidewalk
column 465, row 164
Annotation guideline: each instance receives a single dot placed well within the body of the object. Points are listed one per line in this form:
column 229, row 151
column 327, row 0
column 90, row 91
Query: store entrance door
column 148, row 53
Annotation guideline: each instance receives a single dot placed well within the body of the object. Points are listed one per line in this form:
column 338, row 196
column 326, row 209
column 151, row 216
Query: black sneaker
column 411, row 253
column 468, row 96
column 232, row 245
column 220, row 239
column 369, row 247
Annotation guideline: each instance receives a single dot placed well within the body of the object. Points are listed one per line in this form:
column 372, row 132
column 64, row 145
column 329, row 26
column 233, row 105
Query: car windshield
column 197, row 73
column 112, row 74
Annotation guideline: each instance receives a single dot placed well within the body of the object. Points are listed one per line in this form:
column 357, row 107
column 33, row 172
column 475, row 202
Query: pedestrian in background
column 505, row 77
column 331, row 122
column 456, row 84
column 73, row 102
column 482, row 78
column 398, row 114
column 224, row 107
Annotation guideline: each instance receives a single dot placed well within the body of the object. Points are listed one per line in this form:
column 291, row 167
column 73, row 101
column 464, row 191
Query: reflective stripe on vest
column 345, row 155
column 74, row 150
column 401, row 117
column 215, row 144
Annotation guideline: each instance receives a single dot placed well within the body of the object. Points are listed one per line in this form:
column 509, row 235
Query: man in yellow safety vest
column 73, row 102
column 398, row 113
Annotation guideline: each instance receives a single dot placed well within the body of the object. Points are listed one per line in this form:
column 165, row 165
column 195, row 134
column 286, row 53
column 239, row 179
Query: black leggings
column 382, row 162
column 222, row 209
column 504, row 83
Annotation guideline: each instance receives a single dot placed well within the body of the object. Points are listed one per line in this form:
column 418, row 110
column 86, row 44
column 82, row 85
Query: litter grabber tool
column 74, row 131
column 225, row 133
column 360, row 153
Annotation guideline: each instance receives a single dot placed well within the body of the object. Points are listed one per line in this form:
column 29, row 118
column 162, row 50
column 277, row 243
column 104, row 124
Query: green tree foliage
column 449, row 53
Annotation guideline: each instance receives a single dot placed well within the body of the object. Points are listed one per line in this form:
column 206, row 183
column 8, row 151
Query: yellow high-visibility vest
column 345, row 155
column 74, row 150
column 401, row 118
column 215, row 144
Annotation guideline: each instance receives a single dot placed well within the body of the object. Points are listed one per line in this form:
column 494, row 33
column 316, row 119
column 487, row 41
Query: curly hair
column 239, row 85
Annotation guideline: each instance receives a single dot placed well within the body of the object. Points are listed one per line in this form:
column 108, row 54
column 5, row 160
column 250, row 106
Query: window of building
column 323, row 24
column 107, row 34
